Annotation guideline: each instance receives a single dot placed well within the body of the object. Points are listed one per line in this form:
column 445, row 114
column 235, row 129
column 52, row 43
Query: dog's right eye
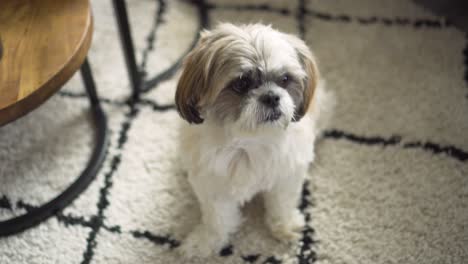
column 242, row 84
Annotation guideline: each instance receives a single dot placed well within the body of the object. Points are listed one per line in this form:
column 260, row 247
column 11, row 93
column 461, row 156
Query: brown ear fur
column 192, row 85
column 310, row 83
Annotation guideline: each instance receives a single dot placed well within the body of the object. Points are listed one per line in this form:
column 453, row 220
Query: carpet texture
column 390, row 184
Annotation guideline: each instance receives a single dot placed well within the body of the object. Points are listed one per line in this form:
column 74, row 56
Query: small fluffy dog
column 252, row 97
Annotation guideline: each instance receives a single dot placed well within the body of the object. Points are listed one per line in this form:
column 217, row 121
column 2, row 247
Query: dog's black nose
column 270, row 99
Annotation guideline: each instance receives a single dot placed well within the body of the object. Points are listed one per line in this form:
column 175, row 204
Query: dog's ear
column 309, row 65
column 192, row 85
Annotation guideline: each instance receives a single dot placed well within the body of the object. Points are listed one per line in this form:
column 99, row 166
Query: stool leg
column 38, row 214
column 90, row 85
column 120, row 9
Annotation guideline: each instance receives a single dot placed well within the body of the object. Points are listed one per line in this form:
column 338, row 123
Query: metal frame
column 41, row 213
column 134, row 74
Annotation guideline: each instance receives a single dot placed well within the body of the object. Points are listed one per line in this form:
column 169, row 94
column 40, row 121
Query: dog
column 254, row 104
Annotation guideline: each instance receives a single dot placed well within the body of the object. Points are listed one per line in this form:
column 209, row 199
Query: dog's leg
column 282, row 215
column 220, row 218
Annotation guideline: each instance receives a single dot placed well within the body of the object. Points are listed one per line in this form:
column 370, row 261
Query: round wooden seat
column 43, row 43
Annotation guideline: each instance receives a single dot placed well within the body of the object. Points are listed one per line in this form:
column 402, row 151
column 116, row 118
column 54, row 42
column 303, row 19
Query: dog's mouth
column 273, row 116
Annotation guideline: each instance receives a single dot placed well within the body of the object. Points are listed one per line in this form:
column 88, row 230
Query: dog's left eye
column 285, row 79
column 242, row 84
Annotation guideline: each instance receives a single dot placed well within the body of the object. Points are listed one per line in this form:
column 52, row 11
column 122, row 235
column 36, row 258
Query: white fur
column 226, row 170
column 229, row 163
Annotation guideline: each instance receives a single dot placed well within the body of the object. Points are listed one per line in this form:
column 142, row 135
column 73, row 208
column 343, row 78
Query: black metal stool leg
column 120, row 9
column 90, row 85
column 39, row 214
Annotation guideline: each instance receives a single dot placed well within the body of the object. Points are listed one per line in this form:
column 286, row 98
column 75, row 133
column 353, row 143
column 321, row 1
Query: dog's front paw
column 287, row 229
column 201, row 243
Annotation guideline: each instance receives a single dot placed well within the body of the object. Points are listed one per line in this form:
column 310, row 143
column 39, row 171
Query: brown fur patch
column 310, row 83
column 192, row 85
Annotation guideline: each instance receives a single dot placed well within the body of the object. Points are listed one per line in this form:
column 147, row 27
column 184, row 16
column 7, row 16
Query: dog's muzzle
column 271, row 101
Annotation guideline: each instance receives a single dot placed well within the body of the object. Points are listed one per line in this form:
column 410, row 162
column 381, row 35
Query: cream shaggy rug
column 390, row 184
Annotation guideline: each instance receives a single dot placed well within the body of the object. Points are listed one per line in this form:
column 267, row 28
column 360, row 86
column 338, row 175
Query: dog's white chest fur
column 241, row 166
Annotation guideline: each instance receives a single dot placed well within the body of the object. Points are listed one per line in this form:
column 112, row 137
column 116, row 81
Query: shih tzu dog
column 255, row 105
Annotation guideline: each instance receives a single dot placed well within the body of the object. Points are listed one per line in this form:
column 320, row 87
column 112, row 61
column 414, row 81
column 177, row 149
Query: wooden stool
column 43, row 44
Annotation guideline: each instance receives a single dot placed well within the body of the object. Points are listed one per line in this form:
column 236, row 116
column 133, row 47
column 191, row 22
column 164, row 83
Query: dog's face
column 248, row 76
